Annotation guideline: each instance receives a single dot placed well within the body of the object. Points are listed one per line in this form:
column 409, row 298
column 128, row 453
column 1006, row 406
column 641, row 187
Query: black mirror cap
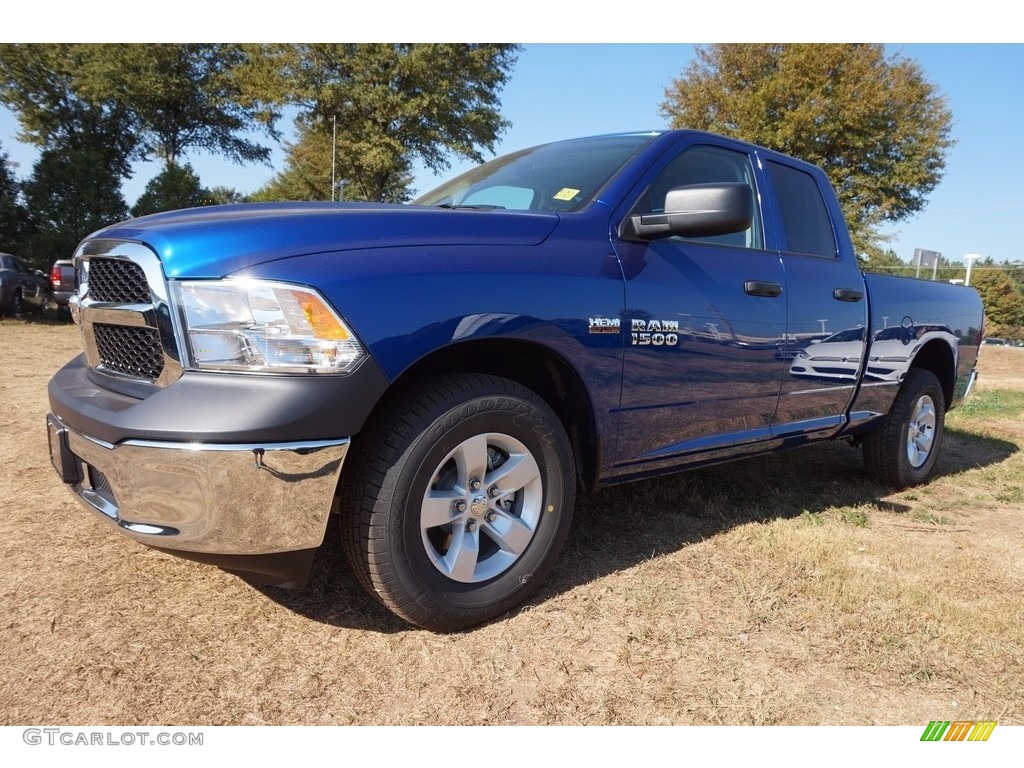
column 696, row 210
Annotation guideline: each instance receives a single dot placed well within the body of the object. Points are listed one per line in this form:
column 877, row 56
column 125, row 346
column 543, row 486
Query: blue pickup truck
column 447, row 375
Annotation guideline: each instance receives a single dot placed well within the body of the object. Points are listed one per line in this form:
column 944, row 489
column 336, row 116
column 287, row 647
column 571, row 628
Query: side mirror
column 696, row 210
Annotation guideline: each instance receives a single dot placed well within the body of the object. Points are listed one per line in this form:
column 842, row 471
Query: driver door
column 706, row 325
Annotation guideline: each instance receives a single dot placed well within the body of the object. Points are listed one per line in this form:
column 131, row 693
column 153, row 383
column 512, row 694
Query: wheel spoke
column 921, row 432
column 463, row 553
column 438, row 508
column 471, row 459
column 510, row 533
column 517, row 472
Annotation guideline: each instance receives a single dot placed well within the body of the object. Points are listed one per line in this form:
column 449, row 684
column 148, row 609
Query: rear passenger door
column 826, row 302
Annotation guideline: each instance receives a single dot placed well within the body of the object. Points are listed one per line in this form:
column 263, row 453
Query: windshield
column 564, row 176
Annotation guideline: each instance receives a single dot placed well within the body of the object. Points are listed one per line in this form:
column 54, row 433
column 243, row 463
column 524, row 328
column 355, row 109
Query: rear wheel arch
column 938, row 357
column 902, row 451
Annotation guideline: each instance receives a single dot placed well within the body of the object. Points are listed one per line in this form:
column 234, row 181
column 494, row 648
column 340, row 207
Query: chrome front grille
column 118, row 281
column 123, row 308
column 129, row 350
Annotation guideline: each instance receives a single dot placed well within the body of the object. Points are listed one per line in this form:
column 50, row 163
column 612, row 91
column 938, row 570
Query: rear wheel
column 903, row 450
column 458, row 501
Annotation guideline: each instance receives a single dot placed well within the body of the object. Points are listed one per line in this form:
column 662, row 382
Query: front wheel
column 458, row 501
column 903, row 450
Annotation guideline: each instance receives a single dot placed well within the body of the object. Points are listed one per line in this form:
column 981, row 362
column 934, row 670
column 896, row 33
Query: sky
column 563, row 90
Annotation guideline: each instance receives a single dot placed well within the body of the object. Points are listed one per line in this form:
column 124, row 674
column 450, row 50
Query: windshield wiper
column 451, row 207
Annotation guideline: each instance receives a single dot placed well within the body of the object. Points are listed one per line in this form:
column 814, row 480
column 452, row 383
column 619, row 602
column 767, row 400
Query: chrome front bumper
column 204, row 498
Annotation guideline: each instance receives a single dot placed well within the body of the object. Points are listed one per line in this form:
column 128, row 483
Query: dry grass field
column 782, row 590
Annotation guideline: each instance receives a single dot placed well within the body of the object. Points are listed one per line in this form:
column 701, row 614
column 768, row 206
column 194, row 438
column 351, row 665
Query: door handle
column 847, row 294
column 762, row 288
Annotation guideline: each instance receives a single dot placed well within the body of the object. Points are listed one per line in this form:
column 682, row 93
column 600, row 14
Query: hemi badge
column 604, row 325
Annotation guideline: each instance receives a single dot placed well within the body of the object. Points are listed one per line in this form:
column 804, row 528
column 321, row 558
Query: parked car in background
column 21, row 287
column 62, row 280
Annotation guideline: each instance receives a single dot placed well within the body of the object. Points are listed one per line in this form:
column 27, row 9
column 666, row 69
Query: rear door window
column 805, row 220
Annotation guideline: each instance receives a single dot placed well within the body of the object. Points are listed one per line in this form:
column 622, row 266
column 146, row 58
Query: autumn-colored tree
column 873, row 122
column 1002, row 298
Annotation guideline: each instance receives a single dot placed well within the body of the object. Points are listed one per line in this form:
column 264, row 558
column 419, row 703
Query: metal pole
column 970, row 258
column 334, row 152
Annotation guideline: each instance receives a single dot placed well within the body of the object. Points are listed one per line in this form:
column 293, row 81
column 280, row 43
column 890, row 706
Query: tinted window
column 704, row 165
column 804, row 216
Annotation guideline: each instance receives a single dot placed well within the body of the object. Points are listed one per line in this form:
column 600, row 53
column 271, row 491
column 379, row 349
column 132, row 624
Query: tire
column 902, row 452
column 457, row 500
column 16, row 304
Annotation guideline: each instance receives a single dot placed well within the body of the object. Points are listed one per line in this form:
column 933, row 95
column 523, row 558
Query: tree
column 181, row 97
column 41, row 83
column 389, row 104
column 1003, row 300
column 148, row 100
column 886, row 263
column 107, row 105
column 176, row 186
column 876, row 126
column 68, row 198
column 221, row 195
column 308, row 166
column 13, row 216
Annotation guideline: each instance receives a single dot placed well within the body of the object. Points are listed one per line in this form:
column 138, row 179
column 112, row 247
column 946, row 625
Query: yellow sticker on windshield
column 566, row 193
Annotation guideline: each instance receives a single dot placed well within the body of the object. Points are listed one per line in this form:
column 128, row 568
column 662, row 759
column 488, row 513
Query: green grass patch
column 1011, row 494
column 930, row 518
column 854, row 516
column 991, row 403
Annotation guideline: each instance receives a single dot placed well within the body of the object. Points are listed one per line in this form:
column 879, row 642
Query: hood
column 217, row 240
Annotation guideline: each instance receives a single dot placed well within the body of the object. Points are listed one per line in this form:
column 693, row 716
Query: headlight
column 260, row 326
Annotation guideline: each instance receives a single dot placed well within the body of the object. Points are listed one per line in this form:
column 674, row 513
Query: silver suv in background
column 62, row 280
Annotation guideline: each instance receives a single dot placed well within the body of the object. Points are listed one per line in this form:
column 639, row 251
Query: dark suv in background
column 21, row 287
